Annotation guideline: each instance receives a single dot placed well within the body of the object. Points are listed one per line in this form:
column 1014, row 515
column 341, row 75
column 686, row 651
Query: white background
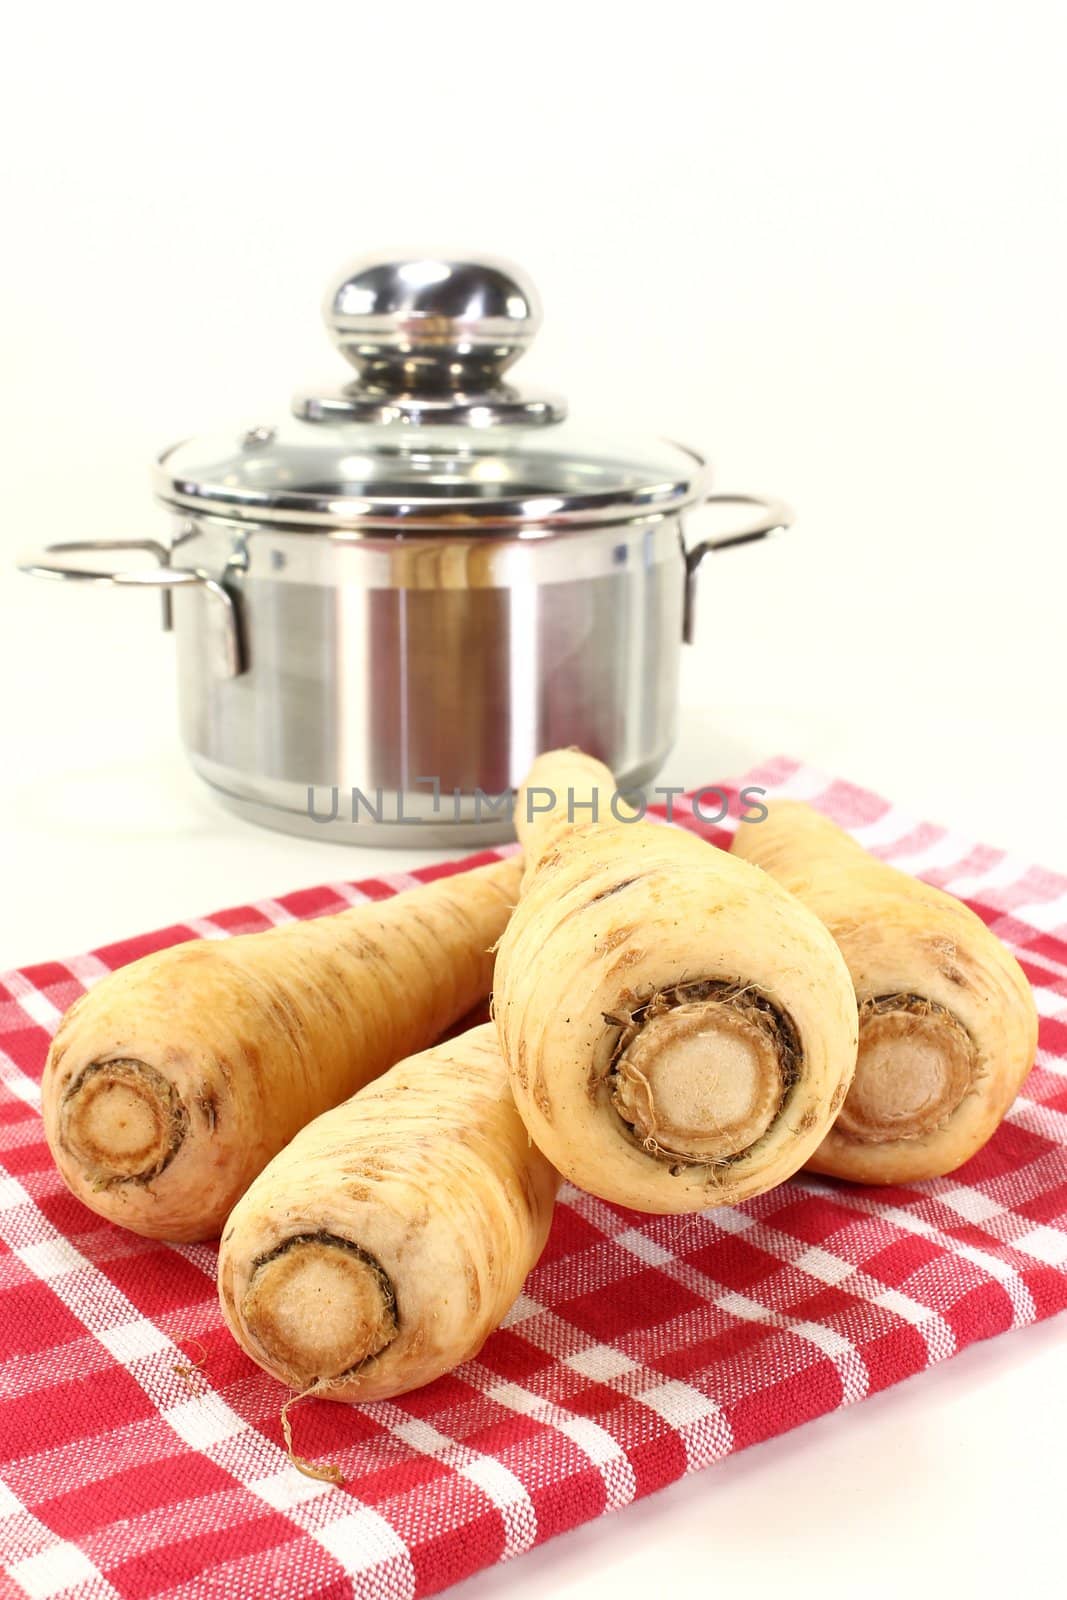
column 825, row 242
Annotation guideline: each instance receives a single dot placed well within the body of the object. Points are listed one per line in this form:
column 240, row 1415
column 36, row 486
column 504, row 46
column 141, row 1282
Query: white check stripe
column 36, row 1005
column 851, row 1368
column 845, row 1356
column 1050, row 1063
column 286, row 1488
column 644, row 1248
column 134, row 1341
column 803, row 784
column 971, row 1204
column 996, row 1217
column 522, row 1308
column 274, row 912
column 602, row 1363
column 38, row 1560
column 938, row 1335
column 16, row 1081
column 1046, row 1244
column 947, row 851
column 511, row 1500
column 50, row 1257
column 1023, row 1309
column 1035, row 1118
column 1049, row 1003
column 204, row 928
column 890, row 831
column 600, row 1447
column 87, row 969
column 886, row 832
column 1046, row 915
column 820, row 1263
column 699, row 1421
column 507, row 1494
column 10, row 1505
column 349, row 895
column 1048, row 963
column 367, row 1548
column 60, row 1566
column 1005, row 872
column 204, row 1422
column 399, row 881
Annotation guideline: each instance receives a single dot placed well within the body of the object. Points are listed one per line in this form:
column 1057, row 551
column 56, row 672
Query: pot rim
column 522, row 517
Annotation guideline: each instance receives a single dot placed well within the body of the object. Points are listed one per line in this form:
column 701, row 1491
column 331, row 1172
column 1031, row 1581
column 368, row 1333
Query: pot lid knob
column 431, row 338
column 432, row 325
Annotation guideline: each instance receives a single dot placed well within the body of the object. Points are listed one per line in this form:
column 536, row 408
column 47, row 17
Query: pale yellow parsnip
column 679, row 1031
column 388, row 1240
column 948, row 1025
column 175, row 1080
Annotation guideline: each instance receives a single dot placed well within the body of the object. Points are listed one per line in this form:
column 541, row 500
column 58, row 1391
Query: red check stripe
column 642, row 1348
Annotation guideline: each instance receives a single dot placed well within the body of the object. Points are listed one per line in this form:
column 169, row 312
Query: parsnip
column 172, row 1083
column 948, row 1026
column 386, row 1242
column 679, row 1031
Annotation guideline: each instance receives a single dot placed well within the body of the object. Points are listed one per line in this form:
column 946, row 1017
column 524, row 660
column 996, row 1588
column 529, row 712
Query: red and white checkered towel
column 642, row 1349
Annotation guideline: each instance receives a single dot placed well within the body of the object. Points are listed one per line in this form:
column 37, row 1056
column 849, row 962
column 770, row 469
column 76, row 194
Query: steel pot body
column 398, row 687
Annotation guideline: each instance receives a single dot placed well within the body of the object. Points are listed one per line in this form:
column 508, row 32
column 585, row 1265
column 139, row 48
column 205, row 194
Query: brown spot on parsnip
column 616, row 888
column 629, row 958
column 208, row 1105
column 251, row 1052
column 521, row 1071
column 286, row 1019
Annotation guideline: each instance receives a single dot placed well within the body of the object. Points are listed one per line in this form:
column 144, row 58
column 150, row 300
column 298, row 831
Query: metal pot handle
column 229, row 655
column 774, row 516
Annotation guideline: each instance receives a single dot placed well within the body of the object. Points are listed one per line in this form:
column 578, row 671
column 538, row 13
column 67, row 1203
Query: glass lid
column 429, row 434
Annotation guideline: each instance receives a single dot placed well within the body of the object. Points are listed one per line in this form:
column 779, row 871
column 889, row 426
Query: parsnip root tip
column 122, row 1121
column 916, row 1064
column 701, row 1073
column 192, row 1367
column 321, row 1471
column 319, row 1307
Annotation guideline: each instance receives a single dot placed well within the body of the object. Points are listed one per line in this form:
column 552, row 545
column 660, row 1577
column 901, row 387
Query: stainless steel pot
column 389, row 603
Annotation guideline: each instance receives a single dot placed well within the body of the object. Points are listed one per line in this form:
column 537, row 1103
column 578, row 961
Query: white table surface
column 952, row 1482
